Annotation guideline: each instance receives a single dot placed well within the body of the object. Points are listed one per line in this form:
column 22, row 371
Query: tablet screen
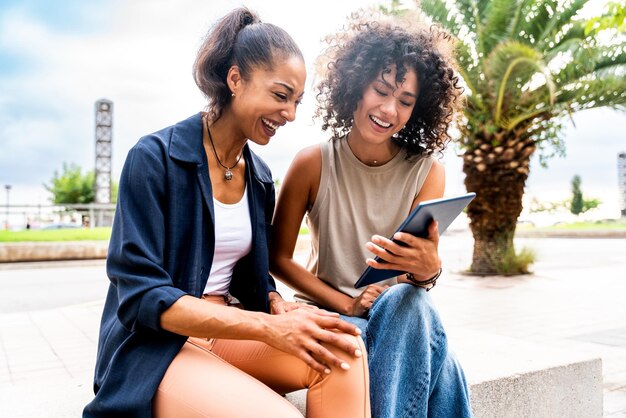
column 443, row 210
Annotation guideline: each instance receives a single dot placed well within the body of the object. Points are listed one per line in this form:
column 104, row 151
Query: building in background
column 104, row 153
column 621, row 175
column 104, row 139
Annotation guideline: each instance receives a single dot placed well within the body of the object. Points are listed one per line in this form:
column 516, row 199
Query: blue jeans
column 412, row 373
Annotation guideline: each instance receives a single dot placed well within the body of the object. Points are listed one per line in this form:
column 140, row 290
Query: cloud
column 592, row 146
column 58, row 58
column 138, row 54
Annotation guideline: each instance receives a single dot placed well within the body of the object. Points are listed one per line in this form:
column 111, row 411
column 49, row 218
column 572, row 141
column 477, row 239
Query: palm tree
column 527, row 66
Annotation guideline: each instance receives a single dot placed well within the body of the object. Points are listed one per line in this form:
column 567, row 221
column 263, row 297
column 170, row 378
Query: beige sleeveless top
column 354, row 202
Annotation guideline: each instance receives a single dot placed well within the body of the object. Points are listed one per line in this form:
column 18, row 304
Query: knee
column 409, row 311
column 358, row 365
column 403, row 298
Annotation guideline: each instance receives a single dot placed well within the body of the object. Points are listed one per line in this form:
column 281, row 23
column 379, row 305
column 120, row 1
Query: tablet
column 443, row 210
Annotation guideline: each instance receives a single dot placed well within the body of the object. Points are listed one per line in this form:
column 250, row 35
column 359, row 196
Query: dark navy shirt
column 162, row 248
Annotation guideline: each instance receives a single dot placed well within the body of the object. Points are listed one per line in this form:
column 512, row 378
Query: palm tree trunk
column 493, row 213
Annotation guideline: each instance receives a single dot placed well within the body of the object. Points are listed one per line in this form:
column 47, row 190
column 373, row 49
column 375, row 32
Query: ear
column 234, row 79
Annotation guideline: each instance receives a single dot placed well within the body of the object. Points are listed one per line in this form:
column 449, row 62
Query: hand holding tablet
column 443, row 210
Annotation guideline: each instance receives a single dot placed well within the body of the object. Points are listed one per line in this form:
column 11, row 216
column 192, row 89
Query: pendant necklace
column 228, row 175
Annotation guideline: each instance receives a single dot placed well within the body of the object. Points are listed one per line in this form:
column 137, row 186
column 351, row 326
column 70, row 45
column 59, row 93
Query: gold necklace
column 370, row 163
column 228, row 175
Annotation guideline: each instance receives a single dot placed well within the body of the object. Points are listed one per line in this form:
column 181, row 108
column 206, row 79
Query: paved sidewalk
column 576, row 302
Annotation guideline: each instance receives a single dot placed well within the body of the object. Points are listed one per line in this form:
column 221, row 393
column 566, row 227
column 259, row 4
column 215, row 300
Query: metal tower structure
column 104, row 139
column 621, row 175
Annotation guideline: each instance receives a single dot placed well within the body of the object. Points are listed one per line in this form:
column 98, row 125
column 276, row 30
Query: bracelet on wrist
column 426, row 284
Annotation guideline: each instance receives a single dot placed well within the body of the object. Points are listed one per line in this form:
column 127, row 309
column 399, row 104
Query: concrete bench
column 508, row 378
column 513, row 378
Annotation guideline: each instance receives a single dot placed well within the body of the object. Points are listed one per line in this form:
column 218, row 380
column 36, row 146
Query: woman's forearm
column 297, row 277
column 195, row 317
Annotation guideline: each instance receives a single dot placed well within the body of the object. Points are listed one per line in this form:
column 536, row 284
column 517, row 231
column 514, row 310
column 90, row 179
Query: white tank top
column 233, row 241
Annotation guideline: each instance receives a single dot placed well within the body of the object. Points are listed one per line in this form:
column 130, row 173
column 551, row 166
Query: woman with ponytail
column 192, row 325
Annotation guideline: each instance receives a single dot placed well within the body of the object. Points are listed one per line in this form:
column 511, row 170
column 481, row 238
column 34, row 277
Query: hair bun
column 248, row 17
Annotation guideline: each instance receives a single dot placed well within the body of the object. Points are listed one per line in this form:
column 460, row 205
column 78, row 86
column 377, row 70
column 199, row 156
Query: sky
column 58, row 57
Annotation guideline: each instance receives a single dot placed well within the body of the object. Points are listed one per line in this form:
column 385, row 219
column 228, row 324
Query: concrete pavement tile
column 615, row 380
column 89, row 360
column 70, row 352
column 4, row 361
column 615, row 337
column 614, row 402
column 75, row 353
column 35, row 365
column 82, row 373
column 34, row 375
column 26, row 329
column 615, row 361
column 13, row 319
column 29, row 352
column 18, row 336
column 24, row 360
column 51, row 398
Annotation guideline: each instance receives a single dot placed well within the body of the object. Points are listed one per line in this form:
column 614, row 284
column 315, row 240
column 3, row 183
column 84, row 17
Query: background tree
column 114, row 189
column 527, row 66
column 576, row 204
column 72, row 186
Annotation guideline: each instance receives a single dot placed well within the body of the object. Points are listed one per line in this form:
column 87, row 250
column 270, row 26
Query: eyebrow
column 404, row 93
column 288, row 87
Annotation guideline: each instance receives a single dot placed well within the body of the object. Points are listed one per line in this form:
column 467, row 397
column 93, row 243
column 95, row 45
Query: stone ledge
column 45, row 251
column 75, row 250
column 84, row 250
column 511, row 378
column 570, row 390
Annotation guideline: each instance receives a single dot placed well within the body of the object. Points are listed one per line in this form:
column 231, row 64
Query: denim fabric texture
column 412, row 373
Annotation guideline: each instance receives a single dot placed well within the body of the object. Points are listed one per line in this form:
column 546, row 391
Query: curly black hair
column 355, row 61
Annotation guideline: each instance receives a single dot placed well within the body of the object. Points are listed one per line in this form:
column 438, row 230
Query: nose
column 289, row 113
column 388, row 107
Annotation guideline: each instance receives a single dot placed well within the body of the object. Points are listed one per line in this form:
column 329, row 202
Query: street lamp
column 8, row 188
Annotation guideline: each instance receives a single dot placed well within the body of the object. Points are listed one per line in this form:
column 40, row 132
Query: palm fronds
column 526, row 60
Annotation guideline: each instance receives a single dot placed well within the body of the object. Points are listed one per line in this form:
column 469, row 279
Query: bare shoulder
column 306, row 166
column 437, row 170
column 434, row 185
column 303, row 176
column 309, row 158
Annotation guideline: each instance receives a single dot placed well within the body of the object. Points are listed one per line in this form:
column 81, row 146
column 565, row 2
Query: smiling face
column 266, row 99
column 385, row 106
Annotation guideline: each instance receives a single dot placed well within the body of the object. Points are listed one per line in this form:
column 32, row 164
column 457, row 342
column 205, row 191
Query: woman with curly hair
column 388, row 98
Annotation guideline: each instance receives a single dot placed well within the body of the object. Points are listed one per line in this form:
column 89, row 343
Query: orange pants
column 243, row 379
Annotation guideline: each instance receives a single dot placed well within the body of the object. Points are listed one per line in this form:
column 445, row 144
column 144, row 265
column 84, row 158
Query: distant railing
column 29, row 216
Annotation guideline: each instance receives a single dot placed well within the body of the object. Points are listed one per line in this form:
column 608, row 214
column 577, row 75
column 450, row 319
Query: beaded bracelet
column 432, row 281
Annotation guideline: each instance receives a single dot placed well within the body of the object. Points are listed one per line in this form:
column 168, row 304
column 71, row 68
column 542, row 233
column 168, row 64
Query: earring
column 232, row 94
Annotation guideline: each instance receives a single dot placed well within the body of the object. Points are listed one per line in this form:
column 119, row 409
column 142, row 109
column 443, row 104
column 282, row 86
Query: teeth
column 269, row 124
column 380, row 122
